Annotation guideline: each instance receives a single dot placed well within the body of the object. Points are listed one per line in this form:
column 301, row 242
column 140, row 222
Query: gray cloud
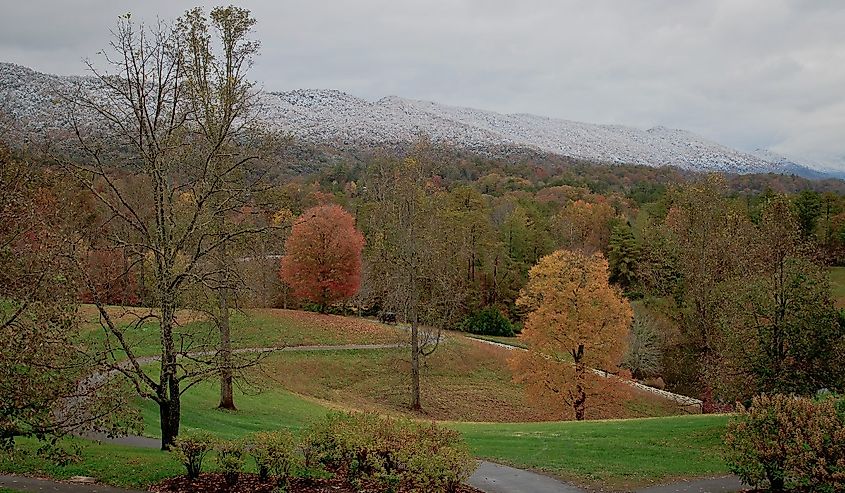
column 747, row 73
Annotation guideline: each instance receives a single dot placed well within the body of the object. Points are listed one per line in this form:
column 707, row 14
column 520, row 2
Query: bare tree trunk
column 580, row 393
column 169, row 394
column 227, row 398
column 415, row 364
column 170, row 416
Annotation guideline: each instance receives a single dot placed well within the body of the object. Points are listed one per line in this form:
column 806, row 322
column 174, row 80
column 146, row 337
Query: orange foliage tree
column 322, row 260
column 586, row 226
column 576, row 322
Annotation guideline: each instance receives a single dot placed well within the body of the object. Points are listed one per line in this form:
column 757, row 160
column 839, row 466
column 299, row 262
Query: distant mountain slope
column 339, row 119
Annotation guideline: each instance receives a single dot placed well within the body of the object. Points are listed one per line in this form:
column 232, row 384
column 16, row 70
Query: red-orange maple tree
column 322, row 261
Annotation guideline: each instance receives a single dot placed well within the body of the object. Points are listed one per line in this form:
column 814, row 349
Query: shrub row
column 789, row 443
column 366, row 449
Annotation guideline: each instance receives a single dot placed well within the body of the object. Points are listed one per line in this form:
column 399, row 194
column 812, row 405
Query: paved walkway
column 496, row 478
column 19, row 483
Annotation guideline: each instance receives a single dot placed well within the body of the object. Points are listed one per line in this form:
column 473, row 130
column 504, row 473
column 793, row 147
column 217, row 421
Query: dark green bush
column 788, row 443
column 190, row 449
column 488, row 321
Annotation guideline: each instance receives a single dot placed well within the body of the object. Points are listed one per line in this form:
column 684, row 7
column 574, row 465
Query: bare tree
column 222, row 104
column 144, row 116
column 411, row 255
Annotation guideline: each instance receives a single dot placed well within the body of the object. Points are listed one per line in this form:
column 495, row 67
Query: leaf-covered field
column 463, row 380
column 264, row 327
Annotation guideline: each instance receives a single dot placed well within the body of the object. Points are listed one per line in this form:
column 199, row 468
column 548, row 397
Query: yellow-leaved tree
column 576, row 323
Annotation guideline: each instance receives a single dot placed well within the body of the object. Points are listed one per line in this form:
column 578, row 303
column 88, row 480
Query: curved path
column 21, row 483
column 496, row 478
column 489, row 477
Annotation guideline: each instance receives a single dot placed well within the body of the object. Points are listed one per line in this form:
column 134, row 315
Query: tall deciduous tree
column 322, row 260
column 415, row 261
column 141, row 115
column 710, row 236
column 780, row 330
column 576, row 322
column 585, row 225
column 222, row 102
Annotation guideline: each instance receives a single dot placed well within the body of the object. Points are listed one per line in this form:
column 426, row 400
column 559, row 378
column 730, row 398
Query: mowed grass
column 466, row 385
column 463, row 381
column 616, row 453
column 258, row 409
column 250, row 328
column 111, row 464
column 837, row 285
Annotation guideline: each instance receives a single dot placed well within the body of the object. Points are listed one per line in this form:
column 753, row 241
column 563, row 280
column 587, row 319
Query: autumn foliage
column 322, row 261
column 789, row 443
column 110, row 279
column 577, row 322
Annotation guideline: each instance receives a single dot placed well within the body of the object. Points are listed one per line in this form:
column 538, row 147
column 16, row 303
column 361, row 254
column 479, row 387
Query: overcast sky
column 746, row 73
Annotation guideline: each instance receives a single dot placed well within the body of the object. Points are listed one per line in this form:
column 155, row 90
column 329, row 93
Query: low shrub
column 392, row 453
column 230, row 459
column 488, row 321
column 789, row 443
column 274, row 452
column 190, row 449
column 439, row 460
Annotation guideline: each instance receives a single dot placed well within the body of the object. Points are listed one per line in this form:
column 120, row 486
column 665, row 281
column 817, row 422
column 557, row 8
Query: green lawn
column 837, row 285
column 268, row 410
column 111, row 464
column 611, row 452
column 461, row 375
column 614, row 452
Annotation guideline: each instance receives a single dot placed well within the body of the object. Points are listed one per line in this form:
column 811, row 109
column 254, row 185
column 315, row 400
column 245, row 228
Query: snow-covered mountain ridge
column 336, row 118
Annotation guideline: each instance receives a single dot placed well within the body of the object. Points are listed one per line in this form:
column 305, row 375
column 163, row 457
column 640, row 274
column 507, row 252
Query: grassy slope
column 837, row 285
column 614, row 452
column 110, row 464
column 250, row 328
column 267, row 410
column 463, row 380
